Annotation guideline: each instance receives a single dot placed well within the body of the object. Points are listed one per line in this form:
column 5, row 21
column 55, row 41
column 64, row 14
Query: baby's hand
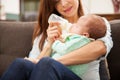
column 32, row 60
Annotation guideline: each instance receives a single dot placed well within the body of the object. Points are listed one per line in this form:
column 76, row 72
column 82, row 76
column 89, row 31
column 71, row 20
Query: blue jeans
column 20, row 69
column 49, row 69
column 45, row 69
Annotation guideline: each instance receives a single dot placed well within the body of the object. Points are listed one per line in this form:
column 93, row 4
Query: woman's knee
column 22, row 63
column 18, row 61
column 46, row 61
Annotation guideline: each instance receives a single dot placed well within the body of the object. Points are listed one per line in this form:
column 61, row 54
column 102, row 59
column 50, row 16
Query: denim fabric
column 20, row 69
column 49, row 69
column 46, row 69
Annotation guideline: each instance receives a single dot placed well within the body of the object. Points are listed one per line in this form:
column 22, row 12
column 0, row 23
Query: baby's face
column 79, row 27
column 75, row 29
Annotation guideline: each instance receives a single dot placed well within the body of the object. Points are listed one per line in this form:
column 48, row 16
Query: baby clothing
column 72, row 42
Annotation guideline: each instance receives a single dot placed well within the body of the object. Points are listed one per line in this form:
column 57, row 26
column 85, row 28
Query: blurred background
column 27, row 10
column 19, row 10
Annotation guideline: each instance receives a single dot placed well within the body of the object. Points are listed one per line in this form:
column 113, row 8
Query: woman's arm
column 94, row 50
column 46, row 51
column 85, row 54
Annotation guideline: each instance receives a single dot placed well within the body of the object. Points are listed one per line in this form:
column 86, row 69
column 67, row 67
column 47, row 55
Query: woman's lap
column 49, row 69
column 45, row 69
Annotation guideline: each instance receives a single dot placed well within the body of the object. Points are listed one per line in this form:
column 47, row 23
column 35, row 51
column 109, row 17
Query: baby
column 87, row 29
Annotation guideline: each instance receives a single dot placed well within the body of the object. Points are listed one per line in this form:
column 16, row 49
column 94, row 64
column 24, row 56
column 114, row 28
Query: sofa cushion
column 15, row 41
column 114, row 56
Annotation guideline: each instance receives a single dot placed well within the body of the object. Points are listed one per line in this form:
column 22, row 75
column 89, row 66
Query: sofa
column 16, row 41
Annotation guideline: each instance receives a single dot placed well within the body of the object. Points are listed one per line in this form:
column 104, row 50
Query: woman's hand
column 32, row 60
column 53, row 31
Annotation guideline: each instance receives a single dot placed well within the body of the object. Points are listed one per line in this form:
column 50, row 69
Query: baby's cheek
column 71, row 30
column 74, row 30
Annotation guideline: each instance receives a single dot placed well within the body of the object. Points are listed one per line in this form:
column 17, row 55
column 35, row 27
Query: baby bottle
column 64, row 24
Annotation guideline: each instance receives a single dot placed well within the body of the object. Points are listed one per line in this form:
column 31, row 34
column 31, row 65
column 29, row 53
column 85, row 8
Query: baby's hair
column 96, row 26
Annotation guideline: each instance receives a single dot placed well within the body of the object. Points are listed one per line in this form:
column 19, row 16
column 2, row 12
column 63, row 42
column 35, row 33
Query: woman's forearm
column 85, row 54
column 46, row 51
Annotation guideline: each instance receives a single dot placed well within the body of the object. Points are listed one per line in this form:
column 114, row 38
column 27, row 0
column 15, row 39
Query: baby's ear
column 86, row 34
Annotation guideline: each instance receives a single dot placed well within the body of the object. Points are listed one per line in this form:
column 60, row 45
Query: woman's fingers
column 55, row 26
column 53, row 32
column 31, row 59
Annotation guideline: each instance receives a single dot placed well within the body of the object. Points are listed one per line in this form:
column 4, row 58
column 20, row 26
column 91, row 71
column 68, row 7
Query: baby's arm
column 72, row 42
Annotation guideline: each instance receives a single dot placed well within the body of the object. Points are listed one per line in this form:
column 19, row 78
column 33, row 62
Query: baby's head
column 92, row 26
